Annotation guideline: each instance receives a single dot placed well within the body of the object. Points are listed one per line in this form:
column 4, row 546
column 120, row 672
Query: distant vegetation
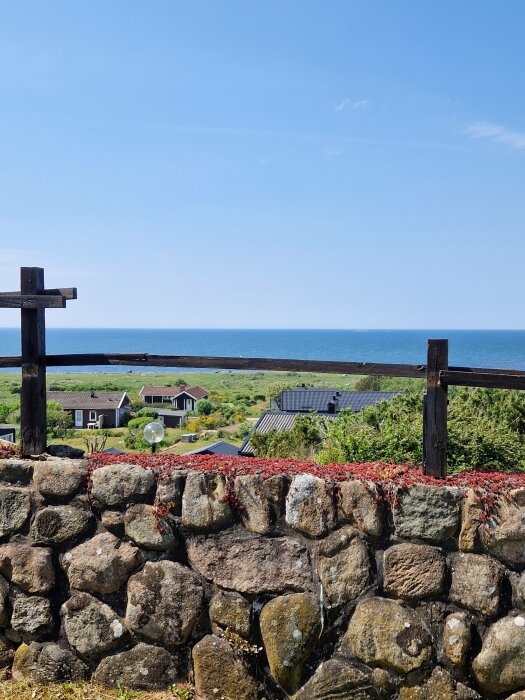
column 486, row 427
column 486, row 430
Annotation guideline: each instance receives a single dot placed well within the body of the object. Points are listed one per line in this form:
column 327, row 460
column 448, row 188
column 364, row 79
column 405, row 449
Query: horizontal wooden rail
column 466, row 376
column 239, row 363
column 484, row 379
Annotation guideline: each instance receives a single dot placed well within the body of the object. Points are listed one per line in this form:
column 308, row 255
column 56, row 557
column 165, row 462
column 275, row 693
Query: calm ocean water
column 491, row 349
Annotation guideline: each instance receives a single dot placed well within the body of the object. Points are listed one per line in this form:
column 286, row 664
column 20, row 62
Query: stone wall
column 289, row 586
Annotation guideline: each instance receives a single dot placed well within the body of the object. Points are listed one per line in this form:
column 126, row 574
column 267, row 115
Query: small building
column 222, row 447
column 270, row 420
column 170, row 419
column 8, row 433
column 93, row 409
column 180, row 397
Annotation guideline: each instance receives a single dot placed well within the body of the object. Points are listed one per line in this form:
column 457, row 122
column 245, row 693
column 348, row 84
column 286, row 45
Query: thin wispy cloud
column 333, row 152
column 354, row 105
column 497, row 134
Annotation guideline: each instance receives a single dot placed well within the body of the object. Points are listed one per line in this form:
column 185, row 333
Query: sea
column 470, row 348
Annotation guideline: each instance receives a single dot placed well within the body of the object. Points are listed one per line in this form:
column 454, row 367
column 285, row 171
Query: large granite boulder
column 29, row 568
column 387, row 634
column 101, row 565
column 413, row 571
column 343, row 565
column 16, row 471
column 359, row 505
column 229, row 610
column 221, row 673
column 58, row 524
column 59, row 479
column 255, row 504
column 148, row 530
column 165, row 600
column 500, row 665
column 290, row 629
column 144, row 667
column 504, row 534
column 310, row 505
column 252, row 564
column 170, row 487
column 118, row 484
column 92, row 628
column 31, row 619
column 205, row 504
column 430, row 513
column 15, row 506
column 47, row 663
column 476, row 583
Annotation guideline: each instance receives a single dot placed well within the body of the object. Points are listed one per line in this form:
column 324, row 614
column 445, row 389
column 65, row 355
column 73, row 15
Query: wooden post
column 435, row 414
column 33, row 396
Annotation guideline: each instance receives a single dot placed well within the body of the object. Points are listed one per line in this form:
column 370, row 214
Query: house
column 8, row 432
column 170, row 419
column 217, row 448
column 180, row 397
column 323, row 402
column 270, row 420
column 93, row 409
column 305, row 400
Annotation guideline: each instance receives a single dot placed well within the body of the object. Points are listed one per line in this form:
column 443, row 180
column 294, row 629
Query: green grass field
column 217, row 382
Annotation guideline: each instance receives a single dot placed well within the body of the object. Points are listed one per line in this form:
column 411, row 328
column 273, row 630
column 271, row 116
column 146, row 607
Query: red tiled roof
column 198, row 392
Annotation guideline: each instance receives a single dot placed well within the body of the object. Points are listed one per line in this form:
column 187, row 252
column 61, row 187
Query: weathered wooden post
column 435, row 412
column 33, row 299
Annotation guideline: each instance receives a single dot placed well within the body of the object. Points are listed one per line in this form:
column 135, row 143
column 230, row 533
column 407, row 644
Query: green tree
column 204, row 407
column 58, row 420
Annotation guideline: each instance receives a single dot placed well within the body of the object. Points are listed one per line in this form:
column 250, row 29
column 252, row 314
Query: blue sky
column 352, row 164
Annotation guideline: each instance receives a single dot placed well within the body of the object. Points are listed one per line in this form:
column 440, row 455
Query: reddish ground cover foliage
column 388, row 476
column 7, row 450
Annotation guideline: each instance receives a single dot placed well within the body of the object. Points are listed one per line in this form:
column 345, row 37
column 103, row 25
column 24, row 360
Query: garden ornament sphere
column 153, row 433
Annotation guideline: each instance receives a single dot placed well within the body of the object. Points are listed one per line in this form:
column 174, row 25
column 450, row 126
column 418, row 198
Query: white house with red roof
column 180, row 397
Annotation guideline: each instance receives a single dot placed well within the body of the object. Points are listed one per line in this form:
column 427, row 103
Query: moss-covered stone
column 290, row 628
column 221, row 673
column 387, row 634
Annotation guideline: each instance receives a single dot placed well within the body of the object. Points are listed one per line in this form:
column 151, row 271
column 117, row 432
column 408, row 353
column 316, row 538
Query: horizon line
column 264, row 328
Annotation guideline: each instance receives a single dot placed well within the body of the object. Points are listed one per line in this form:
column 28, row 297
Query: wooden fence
column 34, row 298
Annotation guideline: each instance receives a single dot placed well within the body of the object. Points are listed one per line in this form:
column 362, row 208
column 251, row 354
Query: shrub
column 370, row 383
column 139, row 423
column 58, row 420
column 204, row 407
column 486, row 430
column 303, row 441
column 147, row 413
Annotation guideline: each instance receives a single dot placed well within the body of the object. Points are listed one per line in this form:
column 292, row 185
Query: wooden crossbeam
column 32, row 301
column 66, row 292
